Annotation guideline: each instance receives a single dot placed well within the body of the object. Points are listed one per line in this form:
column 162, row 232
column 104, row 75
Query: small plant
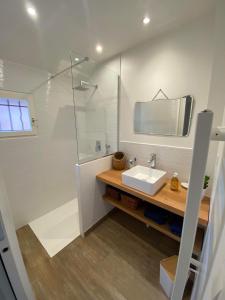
column 206, row 182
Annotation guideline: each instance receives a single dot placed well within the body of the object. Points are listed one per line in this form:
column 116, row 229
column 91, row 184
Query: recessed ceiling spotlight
column 99, row 48
column 146, row 20
column 76, row 59
column 31, row 11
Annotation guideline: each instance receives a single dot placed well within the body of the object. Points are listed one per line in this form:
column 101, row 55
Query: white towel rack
column 203, row 135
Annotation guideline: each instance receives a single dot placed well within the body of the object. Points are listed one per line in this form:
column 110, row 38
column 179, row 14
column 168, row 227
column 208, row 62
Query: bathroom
column 93, row 82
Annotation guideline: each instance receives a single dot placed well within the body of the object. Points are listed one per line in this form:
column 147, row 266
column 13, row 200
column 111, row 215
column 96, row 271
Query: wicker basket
column 130, row 201
column 112, row 192
column 119, row 161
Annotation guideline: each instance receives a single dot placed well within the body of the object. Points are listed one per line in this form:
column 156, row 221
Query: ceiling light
column 76, row 59
column 99, row 48
column 31, row 11
column 146, row 20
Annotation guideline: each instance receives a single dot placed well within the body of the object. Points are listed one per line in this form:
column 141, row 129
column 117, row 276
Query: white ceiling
column 78, row 25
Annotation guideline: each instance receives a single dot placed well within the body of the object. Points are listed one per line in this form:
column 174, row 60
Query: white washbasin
column 144, row 179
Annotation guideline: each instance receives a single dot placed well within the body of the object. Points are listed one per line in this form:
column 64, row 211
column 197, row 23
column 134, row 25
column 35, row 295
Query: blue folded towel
column 176, row 225
column 161, row 216
column 156, row 214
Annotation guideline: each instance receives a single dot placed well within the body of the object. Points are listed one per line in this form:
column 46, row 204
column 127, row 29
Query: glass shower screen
column 95, row 92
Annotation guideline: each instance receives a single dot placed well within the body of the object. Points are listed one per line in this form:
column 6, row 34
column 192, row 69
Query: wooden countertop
column 165, row 198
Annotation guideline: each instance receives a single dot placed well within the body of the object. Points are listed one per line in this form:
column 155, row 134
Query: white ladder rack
column 204, row 133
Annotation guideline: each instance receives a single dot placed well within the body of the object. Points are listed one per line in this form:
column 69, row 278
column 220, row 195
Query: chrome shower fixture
column 84, row 86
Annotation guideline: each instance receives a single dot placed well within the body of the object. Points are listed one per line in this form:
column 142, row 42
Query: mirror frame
column 160, row 99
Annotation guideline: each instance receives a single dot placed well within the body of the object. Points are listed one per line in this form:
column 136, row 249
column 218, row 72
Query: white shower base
column 58, row 228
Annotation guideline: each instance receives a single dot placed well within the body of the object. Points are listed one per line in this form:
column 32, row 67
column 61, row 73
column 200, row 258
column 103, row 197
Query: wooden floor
column 117, row 260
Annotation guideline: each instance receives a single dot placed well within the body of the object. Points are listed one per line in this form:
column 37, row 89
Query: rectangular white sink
column 144, row 179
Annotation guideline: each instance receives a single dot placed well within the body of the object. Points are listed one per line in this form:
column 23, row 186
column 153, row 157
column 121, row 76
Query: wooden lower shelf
column 139, row 215
column 173, row 201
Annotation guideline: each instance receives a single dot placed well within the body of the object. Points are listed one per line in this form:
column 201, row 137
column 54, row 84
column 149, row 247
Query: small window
column 16, row 115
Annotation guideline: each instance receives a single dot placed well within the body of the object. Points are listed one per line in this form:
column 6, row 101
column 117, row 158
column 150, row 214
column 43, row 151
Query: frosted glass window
column 25, row 115
column 3, row 101
column 14, row 115
column 13, row 102
column 17, row 124
column 5, row 123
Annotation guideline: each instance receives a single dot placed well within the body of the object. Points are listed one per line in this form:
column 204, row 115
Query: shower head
column 84, row 86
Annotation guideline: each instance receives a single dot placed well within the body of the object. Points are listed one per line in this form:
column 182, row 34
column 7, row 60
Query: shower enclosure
column 75, row 121
column 79, row 115
column 95, row 95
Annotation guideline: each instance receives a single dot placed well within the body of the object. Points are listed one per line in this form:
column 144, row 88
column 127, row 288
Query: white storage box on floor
column 167, row 274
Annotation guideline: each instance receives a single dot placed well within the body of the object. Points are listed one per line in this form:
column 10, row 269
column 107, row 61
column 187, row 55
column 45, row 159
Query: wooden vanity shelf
column 174, row 202
column 139, row 215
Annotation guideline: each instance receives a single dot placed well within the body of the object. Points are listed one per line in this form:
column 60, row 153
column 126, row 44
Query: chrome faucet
column 132, row 162
column 98, row 146
column 107, row 149
column 152, row 161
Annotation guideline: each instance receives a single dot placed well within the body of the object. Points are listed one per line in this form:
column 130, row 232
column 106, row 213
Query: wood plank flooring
column 118, row 260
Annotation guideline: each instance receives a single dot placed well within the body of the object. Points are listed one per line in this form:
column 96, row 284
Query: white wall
column 179, row 62
column 217, row 86
column 39, row 171
column 216, row 101
column 91, row 206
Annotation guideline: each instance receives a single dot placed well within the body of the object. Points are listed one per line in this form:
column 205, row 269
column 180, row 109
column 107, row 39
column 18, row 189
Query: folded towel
column 176, row 225
column 156, row 214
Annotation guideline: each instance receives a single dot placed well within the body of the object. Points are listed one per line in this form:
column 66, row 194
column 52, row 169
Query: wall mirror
column 170, row 117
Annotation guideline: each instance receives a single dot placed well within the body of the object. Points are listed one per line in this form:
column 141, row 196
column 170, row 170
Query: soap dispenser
column 174, row 183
